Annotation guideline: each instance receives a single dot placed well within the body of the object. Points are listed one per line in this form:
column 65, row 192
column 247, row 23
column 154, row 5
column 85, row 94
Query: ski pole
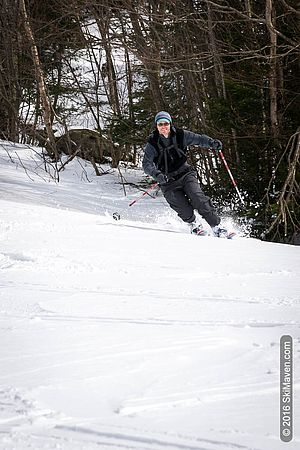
column 231, row 176
column 145, row 193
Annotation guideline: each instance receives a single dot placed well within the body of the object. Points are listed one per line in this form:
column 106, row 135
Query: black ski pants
column 185, row 194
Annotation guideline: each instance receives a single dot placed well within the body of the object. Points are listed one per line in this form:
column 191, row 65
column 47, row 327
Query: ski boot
column 222, row 232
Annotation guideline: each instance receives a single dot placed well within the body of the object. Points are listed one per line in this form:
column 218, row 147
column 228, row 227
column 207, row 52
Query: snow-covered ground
column 120, row 335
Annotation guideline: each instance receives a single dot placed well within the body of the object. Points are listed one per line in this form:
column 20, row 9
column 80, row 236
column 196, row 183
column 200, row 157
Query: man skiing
column 165, row 160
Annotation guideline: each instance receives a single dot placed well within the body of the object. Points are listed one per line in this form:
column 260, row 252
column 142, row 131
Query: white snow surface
column 120, row 335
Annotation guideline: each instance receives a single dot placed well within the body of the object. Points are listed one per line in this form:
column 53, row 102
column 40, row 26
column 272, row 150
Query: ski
column 227, row 235
column 205, row 233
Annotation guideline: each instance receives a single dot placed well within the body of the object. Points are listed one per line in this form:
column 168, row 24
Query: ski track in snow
column 117, row 335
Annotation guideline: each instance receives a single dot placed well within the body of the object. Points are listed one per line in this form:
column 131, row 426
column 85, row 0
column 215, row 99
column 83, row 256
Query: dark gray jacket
column 189, row 138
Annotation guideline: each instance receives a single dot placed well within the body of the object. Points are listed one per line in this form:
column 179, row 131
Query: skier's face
column 163, row 128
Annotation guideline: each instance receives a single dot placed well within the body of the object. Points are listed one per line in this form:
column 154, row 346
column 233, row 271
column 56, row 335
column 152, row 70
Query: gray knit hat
column 163, row 115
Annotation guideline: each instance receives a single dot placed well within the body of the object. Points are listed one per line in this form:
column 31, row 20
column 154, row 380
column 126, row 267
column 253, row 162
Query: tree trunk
column 129, row 79
column 47, row 115
column 218, row 66
column 10, row 96
column 102, row 21
column 150, row 59
column 273, row 69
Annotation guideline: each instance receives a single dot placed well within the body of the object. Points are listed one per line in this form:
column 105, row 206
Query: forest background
column 229, row 69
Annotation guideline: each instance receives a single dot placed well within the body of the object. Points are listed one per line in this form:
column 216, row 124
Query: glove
column 161, row 179
column 215, row 144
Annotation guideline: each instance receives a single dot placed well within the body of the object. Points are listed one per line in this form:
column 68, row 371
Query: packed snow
column 123, row 335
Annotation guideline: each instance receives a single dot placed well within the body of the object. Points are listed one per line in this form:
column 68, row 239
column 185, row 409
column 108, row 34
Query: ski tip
column 201, row 233
column 231, row 235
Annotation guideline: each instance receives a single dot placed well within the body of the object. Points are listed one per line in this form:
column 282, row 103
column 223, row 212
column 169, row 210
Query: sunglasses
column 163, row 124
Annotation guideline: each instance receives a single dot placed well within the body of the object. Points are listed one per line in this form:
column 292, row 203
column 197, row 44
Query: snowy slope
column 115, row 335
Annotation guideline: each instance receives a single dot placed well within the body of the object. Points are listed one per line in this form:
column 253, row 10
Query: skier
column 165, row 160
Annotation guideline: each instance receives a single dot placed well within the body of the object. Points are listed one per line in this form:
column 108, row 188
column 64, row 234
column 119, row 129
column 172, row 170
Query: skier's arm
column 190, row 138
column 148, row 161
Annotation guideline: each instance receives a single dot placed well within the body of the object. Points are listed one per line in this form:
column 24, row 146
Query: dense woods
column 229, row 69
